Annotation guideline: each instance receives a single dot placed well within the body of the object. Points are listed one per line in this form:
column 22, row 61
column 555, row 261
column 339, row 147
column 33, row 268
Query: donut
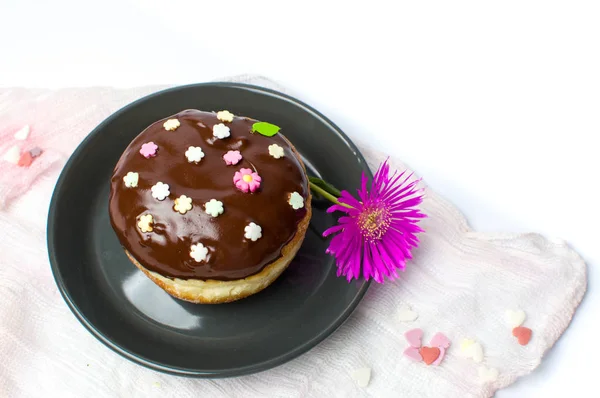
column 208, row 207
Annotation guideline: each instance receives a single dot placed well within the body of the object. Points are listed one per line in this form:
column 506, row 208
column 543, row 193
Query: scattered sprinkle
column 246, row 180
column 487, row 375
column 160, row 191
column 25, row 160
column 221, row 131
column 194, row 154
column 198, row 252
column 171, row 124
column 406, row 314
column 414, row 337
column 413, row 353
column 131, row 179
column 253, row 232
column 145, row 223
column 440, row 357
column 148, row 150
column 156, row 384
column 362, row 376
column 23, row 133
column 296, row 201
column 232, row 157
column 12, row 155
column 522, row 334
column 276, row 151
column 471, row 349
column 183, row 204
column 264, row 128
column 429, row 354
column 514, row 318
column 35, row 152
column 225, row 116
column 214, row 207
column 439, row 340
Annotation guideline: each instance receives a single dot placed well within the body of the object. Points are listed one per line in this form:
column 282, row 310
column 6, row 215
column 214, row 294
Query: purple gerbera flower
column 376, row 234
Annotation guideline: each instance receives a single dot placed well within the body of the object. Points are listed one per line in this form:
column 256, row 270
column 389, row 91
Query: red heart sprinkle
column 523, row 334
column 25, row 160
column 429, row 354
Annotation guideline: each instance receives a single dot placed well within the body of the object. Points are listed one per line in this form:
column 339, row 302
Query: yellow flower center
column 247, row 177
column 374, row 223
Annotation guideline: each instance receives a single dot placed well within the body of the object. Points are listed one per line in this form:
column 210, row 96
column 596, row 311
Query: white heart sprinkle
column 406, row 314
column 471, row 349
column 487, row 375
column 514, row 318
column 362, row 376
column 12, row 155
column 22, row 134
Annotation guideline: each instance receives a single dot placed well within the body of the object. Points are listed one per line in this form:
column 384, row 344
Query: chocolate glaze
column 231, row 256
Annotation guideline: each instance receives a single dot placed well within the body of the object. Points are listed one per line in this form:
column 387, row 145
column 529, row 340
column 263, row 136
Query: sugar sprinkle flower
column 149, row 149
column 171, row 124
column 160, row 191
column 246, row 180
column 214, row 207
column 232, row 157
column 221, row 131
column 183, row 204
column 375, row 236
column 194, row 154
column 253, row 232
column 131, row 179
column 225, row 116
column 296, row 201
column 198, row 252
column 145, row 223
column 276, row 151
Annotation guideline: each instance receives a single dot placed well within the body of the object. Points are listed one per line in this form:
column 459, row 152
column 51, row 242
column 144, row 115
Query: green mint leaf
column 264, row 128
column 324, row 185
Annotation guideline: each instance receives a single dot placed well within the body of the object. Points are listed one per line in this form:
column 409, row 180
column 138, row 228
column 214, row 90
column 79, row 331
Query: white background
column 495, row 104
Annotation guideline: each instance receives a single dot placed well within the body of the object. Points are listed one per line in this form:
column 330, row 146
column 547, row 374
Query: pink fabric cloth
column 57, row 127
column 460, row 283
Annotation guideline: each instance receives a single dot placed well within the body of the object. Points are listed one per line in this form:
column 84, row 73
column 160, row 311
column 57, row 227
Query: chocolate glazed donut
column 156, row 225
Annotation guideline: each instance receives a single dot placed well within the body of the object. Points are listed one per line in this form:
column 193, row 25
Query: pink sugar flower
column 246, row 180
column 232, row 157
column 148, row 149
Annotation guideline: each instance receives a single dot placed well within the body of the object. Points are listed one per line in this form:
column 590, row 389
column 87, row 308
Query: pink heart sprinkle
column 440, row 341
column 413, row 353
column 439, row 359
column 414, row 337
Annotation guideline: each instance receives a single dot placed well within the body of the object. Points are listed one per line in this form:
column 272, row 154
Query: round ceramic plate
column 126, row 311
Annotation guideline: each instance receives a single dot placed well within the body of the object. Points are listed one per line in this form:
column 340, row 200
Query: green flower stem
column 326, row 194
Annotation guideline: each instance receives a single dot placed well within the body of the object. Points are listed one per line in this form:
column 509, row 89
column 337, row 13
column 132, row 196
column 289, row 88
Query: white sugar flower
column 131, row 179
column 194, row 154
column 160, row 191
column 183, row 204
column 214, row 207
column 145, row 223
column 198, row 252
column 253, row 232
column 296, row 201
column 221, row 131
column 276, row 151
column 225, row 116
column 171, row 124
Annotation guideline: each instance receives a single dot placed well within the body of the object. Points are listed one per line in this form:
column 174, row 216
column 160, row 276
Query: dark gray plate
column 128, row 313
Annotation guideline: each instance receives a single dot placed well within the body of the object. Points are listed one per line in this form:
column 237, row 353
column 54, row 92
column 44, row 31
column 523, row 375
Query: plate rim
column 161, row 367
